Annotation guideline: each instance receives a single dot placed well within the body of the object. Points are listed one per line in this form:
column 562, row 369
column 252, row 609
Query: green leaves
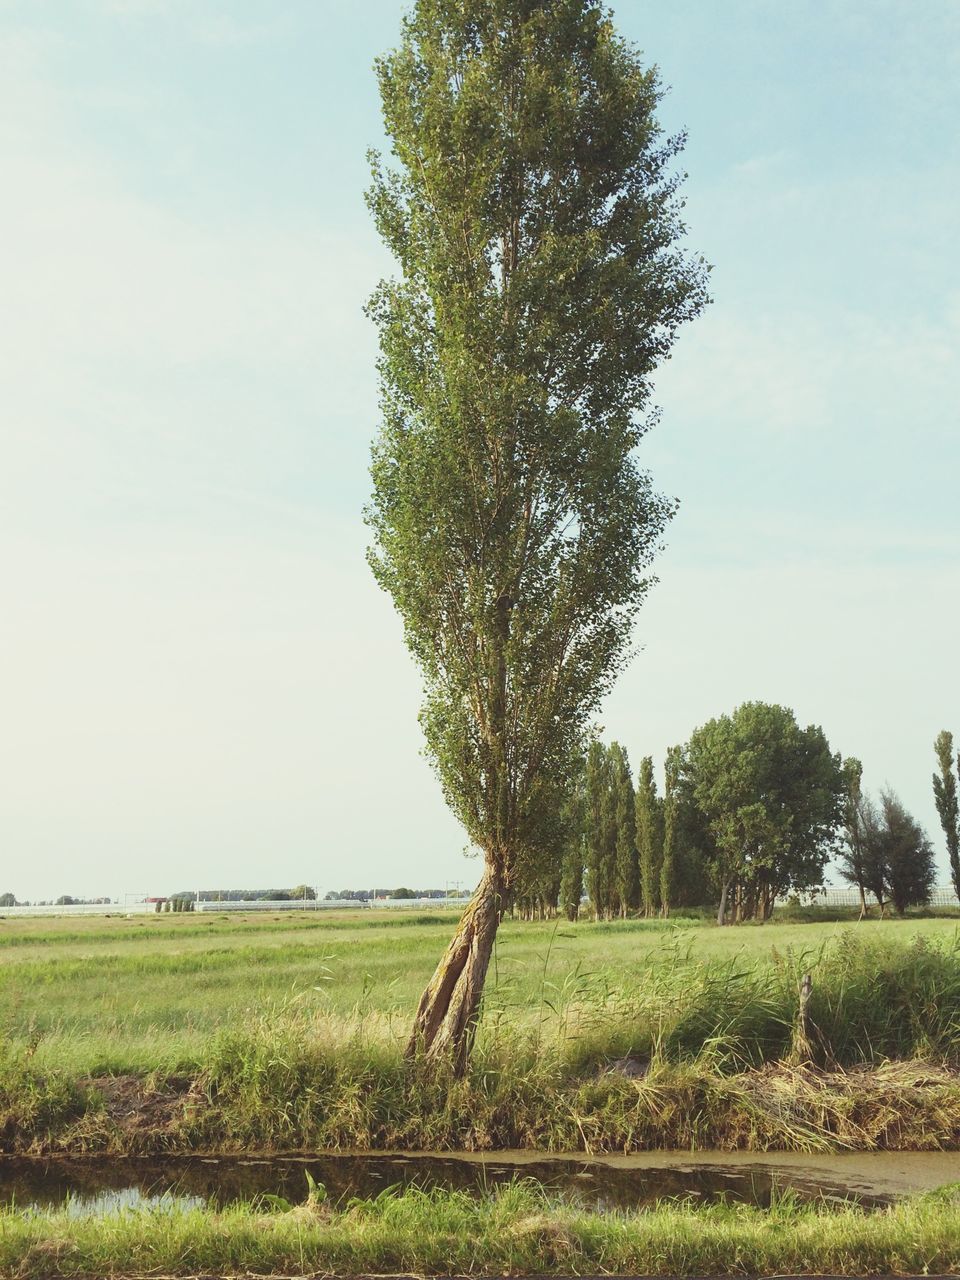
column 771, row 794
column 649, row 823
column 945, row 795
column 530, row 205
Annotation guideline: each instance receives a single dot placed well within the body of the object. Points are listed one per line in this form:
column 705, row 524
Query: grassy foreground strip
column 514, row 1231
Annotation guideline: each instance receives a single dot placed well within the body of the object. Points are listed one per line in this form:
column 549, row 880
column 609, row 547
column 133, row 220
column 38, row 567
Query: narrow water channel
column 94, row 1186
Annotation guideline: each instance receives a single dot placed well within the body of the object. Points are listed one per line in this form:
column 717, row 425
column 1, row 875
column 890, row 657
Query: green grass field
column 142, row 993
column 234, row 1031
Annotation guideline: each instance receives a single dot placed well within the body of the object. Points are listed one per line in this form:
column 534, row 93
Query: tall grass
column 872, row 1000
column 513, row 1231
column 101, row 1004
column 709, row 1050
column 294, row 1044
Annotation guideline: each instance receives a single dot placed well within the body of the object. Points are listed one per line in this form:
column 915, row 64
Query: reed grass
column 515, row 1230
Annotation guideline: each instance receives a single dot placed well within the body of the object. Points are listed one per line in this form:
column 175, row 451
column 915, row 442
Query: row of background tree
column 65, row 900
column 754, row 808
column 306, row 892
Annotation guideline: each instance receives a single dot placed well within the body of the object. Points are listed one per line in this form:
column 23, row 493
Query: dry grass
column 278, row 1093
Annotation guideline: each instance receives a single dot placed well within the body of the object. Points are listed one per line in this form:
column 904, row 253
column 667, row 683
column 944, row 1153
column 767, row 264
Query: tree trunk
column 449, row 1008
column 803, row 1031
column 722, row 909
column 863, row 902
column 767, row 903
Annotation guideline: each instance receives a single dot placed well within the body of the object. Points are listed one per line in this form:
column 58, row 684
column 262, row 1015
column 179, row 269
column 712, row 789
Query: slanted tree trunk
column 803, row 1031
column 863, row 902
column 449, row 1008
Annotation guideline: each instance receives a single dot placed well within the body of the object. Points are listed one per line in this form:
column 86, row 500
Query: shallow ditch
column 101, row 1186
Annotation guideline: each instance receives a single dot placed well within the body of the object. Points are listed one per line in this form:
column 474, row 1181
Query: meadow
column 144, row 993
column 225, row 1032
column 152, row 1035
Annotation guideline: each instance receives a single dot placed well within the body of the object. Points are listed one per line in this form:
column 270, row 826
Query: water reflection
column 107, row 1186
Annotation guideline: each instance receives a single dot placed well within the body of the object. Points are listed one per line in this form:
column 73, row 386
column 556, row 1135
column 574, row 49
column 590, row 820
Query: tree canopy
column 770, row 794
column 945, row 795
column 649, row 828
column 853, row 854
column 901, row 853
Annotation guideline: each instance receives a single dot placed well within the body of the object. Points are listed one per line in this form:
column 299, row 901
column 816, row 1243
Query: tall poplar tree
column 608, row 899
column 649, row 837
column 853, row 855
column 671, row 827
column 571, row 878
column 627, row 868
column 945, row 794
column 873, row 852
column 532, row 206
column 596, row 826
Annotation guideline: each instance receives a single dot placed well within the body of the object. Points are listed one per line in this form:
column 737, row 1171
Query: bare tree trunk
column 739, row 899
column 446, row 1020
column 768, row 903
column 722, row 909
column 803, row 1031
column 863, row 902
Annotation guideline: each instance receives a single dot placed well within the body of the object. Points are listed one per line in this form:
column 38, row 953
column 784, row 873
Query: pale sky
column 200, row 684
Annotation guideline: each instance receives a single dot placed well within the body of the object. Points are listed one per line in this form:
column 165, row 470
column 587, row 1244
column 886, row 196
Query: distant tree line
column 300, row 891
column 396, row 895
column 65, row 900
column 303, row 892
column 178, row 903
column 753, row 809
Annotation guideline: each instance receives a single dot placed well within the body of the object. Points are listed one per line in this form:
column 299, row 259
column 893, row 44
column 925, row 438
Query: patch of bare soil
column 631, row 1067
column 137, row 1106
